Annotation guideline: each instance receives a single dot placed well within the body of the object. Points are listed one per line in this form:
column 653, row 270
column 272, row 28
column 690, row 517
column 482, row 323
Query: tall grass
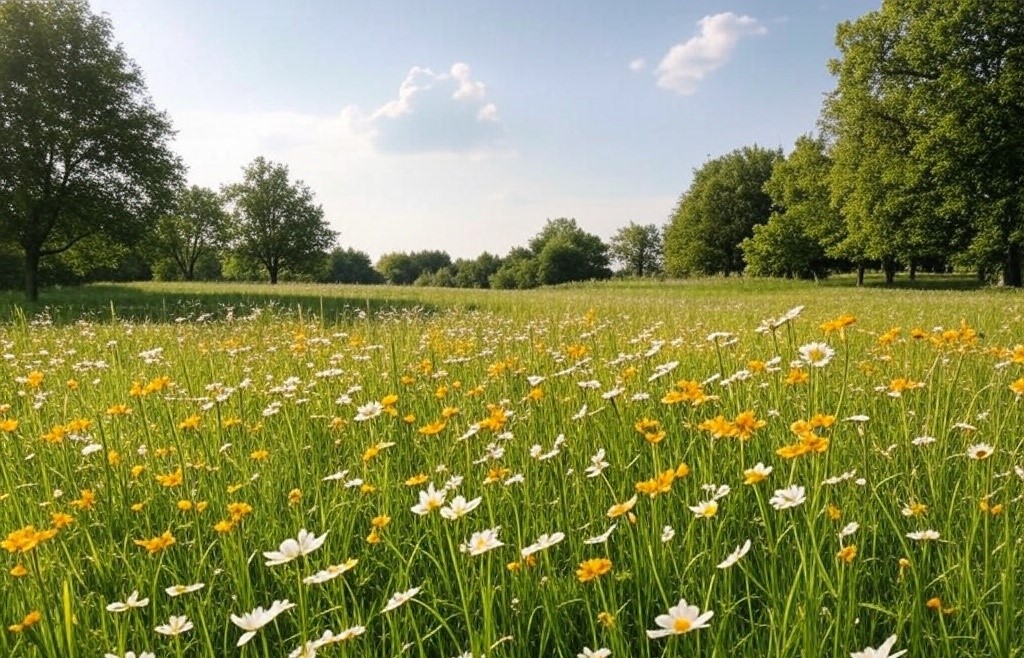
column 136, row 456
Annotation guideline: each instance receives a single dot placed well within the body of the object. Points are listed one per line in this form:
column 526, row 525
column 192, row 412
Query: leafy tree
column 476, row 273
column 278, row 223
column 805, row 228
column 352, row 266
column 565, row 252
column 197, row 226
column 720, row 209
column 519, row 270
column 929, row 126
column 400, row 268
column 639, row 249
column 82, row 150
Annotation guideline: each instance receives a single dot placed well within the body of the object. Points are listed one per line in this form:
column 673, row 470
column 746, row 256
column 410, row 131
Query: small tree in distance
column 197, row 227
column 638, row 248
column 278, row 223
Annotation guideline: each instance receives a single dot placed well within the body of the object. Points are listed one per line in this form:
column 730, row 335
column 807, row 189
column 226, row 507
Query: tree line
column 917, row 164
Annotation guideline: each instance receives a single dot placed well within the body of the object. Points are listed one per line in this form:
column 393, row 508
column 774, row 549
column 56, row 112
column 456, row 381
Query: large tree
column 278, row 223
column 197, row 227
column 83, row 152
column 928, row 118
column 638, row 247
column 565, row 252
column 720, row 209
column 804, row 229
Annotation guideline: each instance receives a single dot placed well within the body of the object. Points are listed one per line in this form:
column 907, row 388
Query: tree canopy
column 278, row 223
column 928, row 122
column 638, row 247
column 197, row 227
column 82, row 149
column 720, row 209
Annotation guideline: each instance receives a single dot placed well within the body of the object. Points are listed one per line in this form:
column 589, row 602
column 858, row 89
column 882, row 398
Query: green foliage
column 352, row 266
column 83, row 151
column 518, row 271
column 277, row 222
column 638, row 248
column 720, row 209
column 476, row 273
column 400, row 268
column 197, row 227
column 804, row 227
column 928, row 121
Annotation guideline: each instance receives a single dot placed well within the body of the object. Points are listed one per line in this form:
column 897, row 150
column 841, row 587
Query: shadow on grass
column 137, row 303
column 949, row 282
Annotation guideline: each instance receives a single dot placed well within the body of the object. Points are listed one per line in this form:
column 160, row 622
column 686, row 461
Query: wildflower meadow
column 676, row 470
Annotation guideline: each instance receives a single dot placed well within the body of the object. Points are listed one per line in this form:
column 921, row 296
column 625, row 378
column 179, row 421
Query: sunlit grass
column 140, row 456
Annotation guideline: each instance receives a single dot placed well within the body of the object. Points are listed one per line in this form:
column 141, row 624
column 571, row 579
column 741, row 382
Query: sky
column 463, row 125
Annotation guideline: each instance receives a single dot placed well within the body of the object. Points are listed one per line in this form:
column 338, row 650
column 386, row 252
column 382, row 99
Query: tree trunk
column 860, row 274
column 1012, row 274
column 32, row 275
column 912, row 274
column 889, row 268
column 273, row 275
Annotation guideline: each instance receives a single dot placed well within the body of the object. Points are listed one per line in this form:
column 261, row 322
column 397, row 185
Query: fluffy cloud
column 687, row 63
column 436, row 112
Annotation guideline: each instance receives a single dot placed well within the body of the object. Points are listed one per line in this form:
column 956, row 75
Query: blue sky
column 464, row 125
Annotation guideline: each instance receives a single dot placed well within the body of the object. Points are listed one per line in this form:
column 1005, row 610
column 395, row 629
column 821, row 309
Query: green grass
column 289, row 380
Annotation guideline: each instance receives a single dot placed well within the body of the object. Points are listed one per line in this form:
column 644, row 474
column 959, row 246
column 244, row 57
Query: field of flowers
column 696, row 476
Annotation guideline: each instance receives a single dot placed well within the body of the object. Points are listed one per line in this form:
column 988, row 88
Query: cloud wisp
column 686, row 64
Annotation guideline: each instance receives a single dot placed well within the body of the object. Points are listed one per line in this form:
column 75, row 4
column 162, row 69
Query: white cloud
column 436, row 112
column 687, row 63
column 637, row 64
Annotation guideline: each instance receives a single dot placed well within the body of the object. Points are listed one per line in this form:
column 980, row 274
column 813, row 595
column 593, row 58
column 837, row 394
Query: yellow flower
column 370, row 453
column 847, row 553
column 137, row 470
column 8, row 425
column 190, row 423
column 238, row 510
column 18, row 571
column 839, row 324
column 119, row 410
column 593, row 569
column 1018, row 387
column 223, row 527
column 86, row 500
column 27, row 538
column 606, row 619
column 259, row 455
column 497, row 474
column 294, row 496
column 34, row 379
column 833, row 512
column 657, row 485
column 113, row 457
column 158, row 543
column 30, row 619
column 416, row 480
column 380, row 521
column 170, row 479
column 184, row 505
column 796, row 376
column 138, row 507
column 535, row 394
column 374, row 537
column 618, row 509
column 718, row 427
column 432, row 428
column 448, row 412
column 745, row 424
column 61, row 520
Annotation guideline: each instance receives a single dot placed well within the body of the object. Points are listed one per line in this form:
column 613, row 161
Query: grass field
column 376, row 471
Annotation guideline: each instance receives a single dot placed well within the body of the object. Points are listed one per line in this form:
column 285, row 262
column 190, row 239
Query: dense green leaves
column 720, row 209
column 197, row 227
column 278, row 224
column 82, row 150
column 638, row 247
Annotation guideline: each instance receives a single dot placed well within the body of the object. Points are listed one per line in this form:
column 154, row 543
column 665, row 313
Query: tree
column 197, row 227
column 278, row 223
column 83, row 152
column 518, row 270
column 476, row 273
column 565, row 252
column 720, row 209
column 352, row 266
column 639, row 249
column 928, row 120
column 805, row 229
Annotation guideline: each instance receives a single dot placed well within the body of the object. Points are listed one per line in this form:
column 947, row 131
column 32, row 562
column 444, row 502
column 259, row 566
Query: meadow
column 707, row 468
